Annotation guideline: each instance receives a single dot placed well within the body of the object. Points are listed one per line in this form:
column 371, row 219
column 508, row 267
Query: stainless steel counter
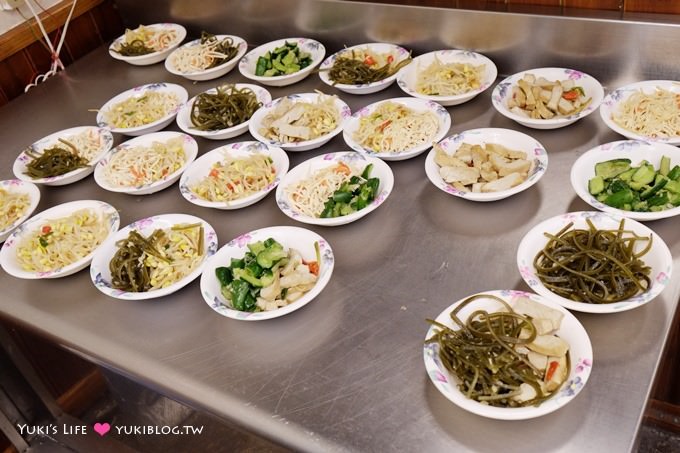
column 344, row 373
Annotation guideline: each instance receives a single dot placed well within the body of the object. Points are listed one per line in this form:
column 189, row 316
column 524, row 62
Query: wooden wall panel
column 81, row 35
column 652, row 6
column 107, row 21
column 607, row 5
column 24, row 57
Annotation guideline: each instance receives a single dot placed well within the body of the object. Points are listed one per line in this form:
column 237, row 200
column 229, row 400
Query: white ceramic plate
column 571, row 330
column 658, row 258
column 613, row 101
column 104, row 137
column 419, row 105
column 202, row 166
column 307, row 168
column 637, row 151
column 8, row 254
column 248, row 63
column 593, row 89
column 99, row 269
column 506, row 137
column 211, row 73
column 154, row 57
column 408, row 77
column 17, row 186
column 298, row 238
column 190, row 151
column 138, row 92
column 255, row 123
column 364, row 88
column 184, row 115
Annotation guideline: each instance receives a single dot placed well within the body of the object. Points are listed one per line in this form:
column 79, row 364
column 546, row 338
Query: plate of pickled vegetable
column 335, row 189
column 449, row 77
column 18, row 200
column 63, row 157
column 234, row 176
column 282, row 62
column 147, row 44
column 595, row 262
column 547, row 98
column 507, row 355
column 153, row 257
column 267, row 273
column 635, row 179
column 364, row 68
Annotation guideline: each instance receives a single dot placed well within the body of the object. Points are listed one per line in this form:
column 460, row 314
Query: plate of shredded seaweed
column 153, row 257
column 63, row 157
column 507, row 355
column 147, row 44
column 365, row 68
column 222, row 112
column 209, row 57
column 595, row 262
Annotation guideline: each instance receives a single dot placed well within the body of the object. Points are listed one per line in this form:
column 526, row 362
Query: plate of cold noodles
column 635, row 179
column 486, row 164
column 63, row 157
column 18, row 200
column 364, row 68
column 397, row 129
column 267, row 273
column 59, row 241
column 449, row 77
column 547, row 98
column 595, row 262
column 507, row 355
column 153, row 257
column 648, row 110
column 147, row 44
column 234, row 176
column 209, row 57
column 143, row 109
column 335, row 189
column 300, row 122
column 144, row 165
column 222, row 112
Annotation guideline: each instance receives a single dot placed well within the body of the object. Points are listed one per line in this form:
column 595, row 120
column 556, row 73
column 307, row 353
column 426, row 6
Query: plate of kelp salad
column 63, row 157
column 222, row 112
column 595, row 262
column 507, row 355
column 153, row 257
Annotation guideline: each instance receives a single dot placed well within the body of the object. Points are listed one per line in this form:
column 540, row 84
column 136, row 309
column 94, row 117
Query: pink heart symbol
column 102, row 428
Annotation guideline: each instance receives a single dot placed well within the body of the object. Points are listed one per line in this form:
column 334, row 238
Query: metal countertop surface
column 345, row 372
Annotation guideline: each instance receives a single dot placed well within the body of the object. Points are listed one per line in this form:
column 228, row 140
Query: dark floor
column 653, row 439
column 128, row 404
